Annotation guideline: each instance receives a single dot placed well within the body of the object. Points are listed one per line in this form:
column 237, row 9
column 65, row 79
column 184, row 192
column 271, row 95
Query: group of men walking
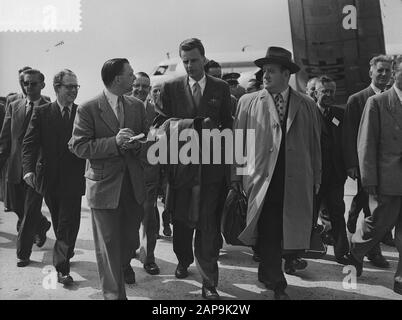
column 296, row 167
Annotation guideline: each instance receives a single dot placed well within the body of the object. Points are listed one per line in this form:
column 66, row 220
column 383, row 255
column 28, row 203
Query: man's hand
column 123, row 136
column 353, row 173
column 316, row 188
column 208, row 123
column 29, row 178
column 372, row 190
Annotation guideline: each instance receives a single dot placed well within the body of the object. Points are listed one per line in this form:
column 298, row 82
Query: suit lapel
column 294, row 106
column 268, row 103
column 20, row 114
column 107, row 114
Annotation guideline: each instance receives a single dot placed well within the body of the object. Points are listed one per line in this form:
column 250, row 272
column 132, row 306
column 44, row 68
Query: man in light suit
column 380, row 74
column 380, row 150
column 55, row 172
column 196, row 192
column 15, row 124
column 282, row 170
column 115, row 186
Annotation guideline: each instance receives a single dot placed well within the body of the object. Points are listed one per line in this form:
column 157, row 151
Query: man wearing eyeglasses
column 55, row 172
column 9, row 196
column 18, row 114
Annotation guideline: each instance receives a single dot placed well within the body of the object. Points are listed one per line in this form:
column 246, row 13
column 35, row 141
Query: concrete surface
column 322, row 279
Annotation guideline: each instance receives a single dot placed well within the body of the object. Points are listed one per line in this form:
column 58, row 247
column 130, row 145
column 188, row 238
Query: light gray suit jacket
column 94, row 138
column 380, row 143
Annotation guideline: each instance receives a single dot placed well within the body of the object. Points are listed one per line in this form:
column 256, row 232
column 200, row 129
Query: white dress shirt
column 202, row 83
column 375, row 89
column 112, row 99
column 70, row 106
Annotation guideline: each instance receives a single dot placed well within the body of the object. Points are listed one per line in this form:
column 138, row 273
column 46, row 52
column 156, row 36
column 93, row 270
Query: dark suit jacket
column 380, row 143
column 333, row 167
column 200, row 205
column 353, row 114
column 94, row 138
column 177, row 102
column 12, row 134
column 45, row 152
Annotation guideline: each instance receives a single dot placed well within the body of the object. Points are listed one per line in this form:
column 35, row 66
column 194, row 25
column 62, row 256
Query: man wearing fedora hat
column 283, row 167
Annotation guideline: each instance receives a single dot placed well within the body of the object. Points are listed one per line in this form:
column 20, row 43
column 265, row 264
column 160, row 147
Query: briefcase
column 317, row 248
column 234, row 217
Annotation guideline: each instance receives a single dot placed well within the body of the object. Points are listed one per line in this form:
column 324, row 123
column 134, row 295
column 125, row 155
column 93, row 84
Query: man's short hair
column 191, row 44
column 35, row 72
column 111, row 69
column 58, row 77
column 380, row 58
column 211, row 64
column 142, row 74
column 397, row 62
column 324, row 79
column 312, row 80
column 24, row 69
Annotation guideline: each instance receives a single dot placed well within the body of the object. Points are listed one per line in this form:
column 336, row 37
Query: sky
column 145, row 30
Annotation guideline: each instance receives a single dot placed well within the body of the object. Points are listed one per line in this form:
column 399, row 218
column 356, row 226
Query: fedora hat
column 280, row 56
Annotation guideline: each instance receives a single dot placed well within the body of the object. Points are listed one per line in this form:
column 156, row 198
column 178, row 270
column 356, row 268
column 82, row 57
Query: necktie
column 66, row 116
column 29, row 109
column 197, row 94
column 120, row 112
column 280, row 106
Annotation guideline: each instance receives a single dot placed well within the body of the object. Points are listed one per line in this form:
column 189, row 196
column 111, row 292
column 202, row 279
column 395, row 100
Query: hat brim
column 293, row 67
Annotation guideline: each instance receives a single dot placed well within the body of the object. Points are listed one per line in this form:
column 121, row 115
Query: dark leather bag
column 234, row 217
column 317, row 248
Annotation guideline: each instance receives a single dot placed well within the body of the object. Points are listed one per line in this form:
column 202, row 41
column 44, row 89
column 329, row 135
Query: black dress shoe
column 167, row 231
column 357, row 264
column 379, row 261
column 291, row 265
column 129, row 275
column 151, row 268
column 40, row 238
column 280, row 294
column 210, row 293
column 65, row 280
column 398, row 287
column 342, row 260
column 181, row 271
column 22, row 262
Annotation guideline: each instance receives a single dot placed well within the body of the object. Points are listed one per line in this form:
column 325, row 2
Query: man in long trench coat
column 283, row 167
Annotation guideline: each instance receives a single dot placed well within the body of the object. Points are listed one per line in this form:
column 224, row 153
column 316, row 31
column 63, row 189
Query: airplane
column 241, row 61
column 321, row 45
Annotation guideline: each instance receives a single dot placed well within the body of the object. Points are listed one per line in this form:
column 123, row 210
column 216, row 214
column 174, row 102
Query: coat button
column 271, row 150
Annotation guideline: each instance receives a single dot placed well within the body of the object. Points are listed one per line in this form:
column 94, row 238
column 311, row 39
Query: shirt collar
column 70, row 106
column 111, row 98
column 36, row 102
column 284, row 95
column 375, row 89
column 202, row 83
column 398, row 92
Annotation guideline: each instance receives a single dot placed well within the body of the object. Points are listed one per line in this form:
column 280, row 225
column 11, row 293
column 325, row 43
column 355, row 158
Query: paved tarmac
column 323, row 279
